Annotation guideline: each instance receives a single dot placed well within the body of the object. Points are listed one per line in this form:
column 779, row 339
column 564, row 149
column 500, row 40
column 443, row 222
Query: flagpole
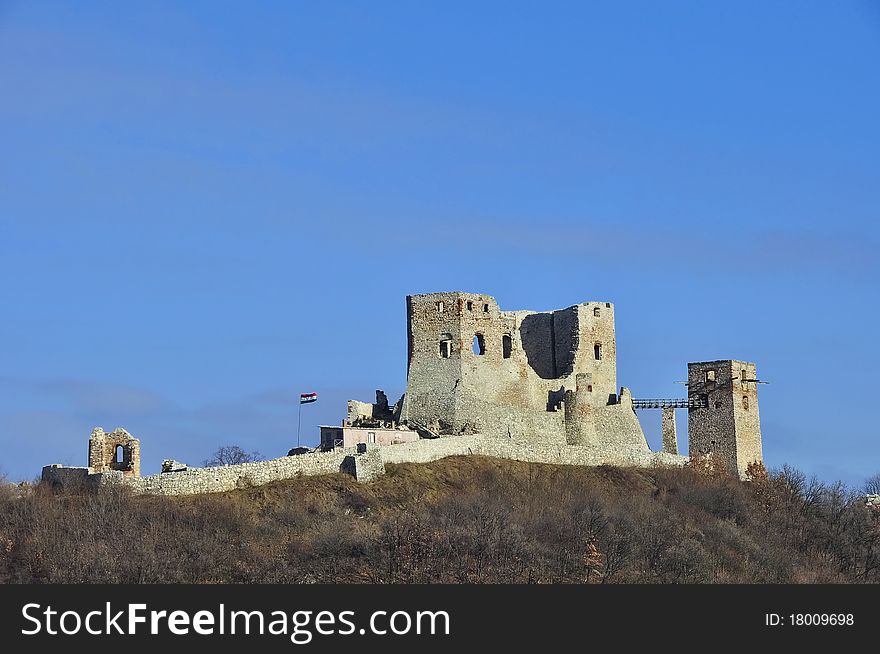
column 299, row 420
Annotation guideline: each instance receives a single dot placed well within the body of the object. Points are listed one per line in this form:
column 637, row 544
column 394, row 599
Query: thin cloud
column 96, row 397
column 834, row 253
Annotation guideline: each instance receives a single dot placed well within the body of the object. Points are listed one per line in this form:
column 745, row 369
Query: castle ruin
column 524, row 385
column 551, row 378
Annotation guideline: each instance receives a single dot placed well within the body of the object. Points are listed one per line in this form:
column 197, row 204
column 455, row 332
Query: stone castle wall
column 361, row 462
column 529, row 450
column 365, row 464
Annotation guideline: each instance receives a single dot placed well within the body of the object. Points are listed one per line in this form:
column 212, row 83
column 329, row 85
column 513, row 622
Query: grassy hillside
column 461, row 519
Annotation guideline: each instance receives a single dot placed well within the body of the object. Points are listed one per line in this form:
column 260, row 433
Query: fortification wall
column 538, row 452
column 366, row 465
column 58, row 476
column 432, row 449
column 428, row 450
column 243, row 475
column 619, row 432
column 478, row 415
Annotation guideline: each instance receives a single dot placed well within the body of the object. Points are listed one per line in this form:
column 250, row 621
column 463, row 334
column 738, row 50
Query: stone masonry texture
column 473, row 368
column 729, row 426
column 117, row 450
column 669, row 430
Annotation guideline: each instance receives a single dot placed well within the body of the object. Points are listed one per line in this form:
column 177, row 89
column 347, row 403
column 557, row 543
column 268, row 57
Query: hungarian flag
column 305, row 398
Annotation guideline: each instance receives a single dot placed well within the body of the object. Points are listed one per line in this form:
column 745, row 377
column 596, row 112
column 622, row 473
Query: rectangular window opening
column 445, row 346
column 597, row 351
column 506, row 346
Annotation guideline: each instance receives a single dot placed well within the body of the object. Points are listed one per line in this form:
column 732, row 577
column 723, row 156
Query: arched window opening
column 506, row 346
column 119, row 456
column 479, row 345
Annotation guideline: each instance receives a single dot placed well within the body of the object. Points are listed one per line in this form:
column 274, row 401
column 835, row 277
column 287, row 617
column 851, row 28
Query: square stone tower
column 723, row 417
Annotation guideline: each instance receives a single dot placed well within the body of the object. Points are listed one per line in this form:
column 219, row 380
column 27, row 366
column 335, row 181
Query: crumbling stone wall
column 193, row 481
column 358, row 411
column 58, row 477
column 365, row 463
column 365, row 414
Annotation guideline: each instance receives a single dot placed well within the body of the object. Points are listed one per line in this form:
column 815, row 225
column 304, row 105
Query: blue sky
column 208, row 208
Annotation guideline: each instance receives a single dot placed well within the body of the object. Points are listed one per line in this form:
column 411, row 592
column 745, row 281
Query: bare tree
column 872, row 485
column 227, row 455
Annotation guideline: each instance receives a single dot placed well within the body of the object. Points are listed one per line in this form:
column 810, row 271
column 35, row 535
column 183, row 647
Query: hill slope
column 461, row 519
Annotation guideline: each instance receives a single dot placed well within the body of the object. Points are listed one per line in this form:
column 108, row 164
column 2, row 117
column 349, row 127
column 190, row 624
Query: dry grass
column 460, row 520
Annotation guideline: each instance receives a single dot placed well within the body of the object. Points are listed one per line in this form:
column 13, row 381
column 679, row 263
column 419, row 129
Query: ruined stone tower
column 723, row 418
column 548, row 377
column 117, row 450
